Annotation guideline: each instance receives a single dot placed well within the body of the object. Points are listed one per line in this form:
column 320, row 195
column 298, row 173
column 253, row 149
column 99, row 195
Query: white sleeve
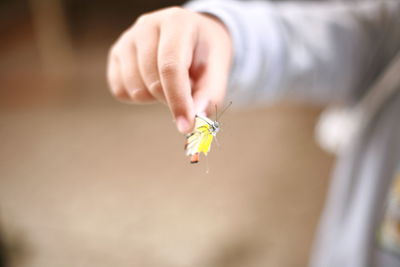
column 313, row 51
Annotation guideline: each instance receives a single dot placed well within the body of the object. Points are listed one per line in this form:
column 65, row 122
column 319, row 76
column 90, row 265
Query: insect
column 201, row 138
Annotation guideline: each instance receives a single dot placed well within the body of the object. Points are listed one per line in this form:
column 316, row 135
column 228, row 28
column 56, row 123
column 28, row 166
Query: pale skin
column 174, row 56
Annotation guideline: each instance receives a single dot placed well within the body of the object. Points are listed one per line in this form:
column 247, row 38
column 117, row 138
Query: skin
column 174, row 56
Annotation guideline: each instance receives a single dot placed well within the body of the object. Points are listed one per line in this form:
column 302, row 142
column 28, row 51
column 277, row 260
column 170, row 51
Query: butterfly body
column 199, row 141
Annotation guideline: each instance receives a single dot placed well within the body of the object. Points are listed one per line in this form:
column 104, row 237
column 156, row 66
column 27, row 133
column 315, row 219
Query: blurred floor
column 88, row 181
column 111, row 187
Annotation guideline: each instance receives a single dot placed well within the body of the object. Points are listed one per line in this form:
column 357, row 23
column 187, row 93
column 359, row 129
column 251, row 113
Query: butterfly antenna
column 223, row 111
column 216, row 113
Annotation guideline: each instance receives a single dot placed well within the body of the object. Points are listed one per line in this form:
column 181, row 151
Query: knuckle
column 113, row 51
column 169, row 68
column 120, row 45
column 175, row 12
column 143, row 19
column 118, row 94
column 131, row 81
column 126, row 37
column 156, row 88
column 141, row 96
column 134, row 97
column 177, row 109
column 116, row 90
column 129, row 75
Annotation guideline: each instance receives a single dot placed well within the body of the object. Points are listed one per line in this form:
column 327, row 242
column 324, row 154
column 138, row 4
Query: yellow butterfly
column 201, row 138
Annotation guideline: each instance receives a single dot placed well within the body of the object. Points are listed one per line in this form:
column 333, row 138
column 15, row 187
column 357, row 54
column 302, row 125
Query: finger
column 174, row 58
column 209, row 90
column 147, row 61
column 131, row 77
column 114, row 78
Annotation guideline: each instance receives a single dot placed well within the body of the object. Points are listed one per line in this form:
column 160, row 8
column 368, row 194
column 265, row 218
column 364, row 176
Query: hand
column 176, row 56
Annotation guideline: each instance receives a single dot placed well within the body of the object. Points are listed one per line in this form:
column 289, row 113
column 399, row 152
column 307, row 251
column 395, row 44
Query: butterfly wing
column 206, row 140
column 199, row 140
column 193, row 143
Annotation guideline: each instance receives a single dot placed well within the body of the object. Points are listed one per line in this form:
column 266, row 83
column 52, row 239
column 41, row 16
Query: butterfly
column 199, row 141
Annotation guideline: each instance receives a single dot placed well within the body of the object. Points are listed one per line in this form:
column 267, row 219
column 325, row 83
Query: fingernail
column 182, row 124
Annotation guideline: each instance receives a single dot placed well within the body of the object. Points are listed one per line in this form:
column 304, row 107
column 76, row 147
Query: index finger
column 175, row 53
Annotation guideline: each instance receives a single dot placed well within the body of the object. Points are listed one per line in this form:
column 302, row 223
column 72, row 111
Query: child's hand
column 175, row 56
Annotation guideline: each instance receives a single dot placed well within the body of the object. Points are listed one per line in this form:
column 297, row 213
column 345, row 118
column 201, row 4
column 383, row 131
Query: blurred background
column 88, row 181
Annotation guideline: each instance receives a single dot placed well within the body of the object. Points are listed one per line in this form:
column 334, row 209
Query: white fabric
column 325, row 52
